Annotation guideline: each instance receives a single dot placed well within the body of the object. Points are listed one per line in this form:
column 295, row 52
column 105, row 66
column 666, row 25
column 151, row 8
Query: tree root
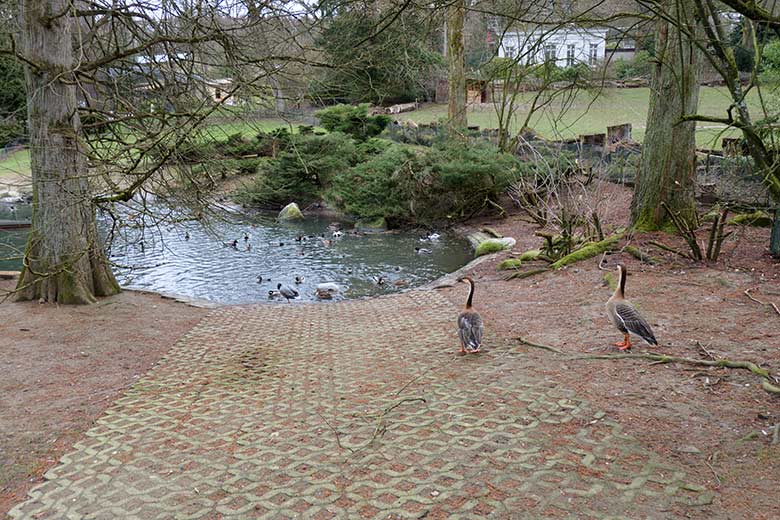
column 656, row 358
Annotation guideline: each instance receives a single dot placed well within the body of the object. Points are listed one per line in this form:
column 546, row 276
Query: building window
column 510, row 51
column 570, row 55
column 550, row 52
column 593, row 56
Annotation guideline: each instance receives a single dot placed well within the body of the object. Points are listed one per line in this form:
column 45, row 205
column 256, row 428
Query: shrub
column 409, row 185
column 353, row 120
column 299, row 172
column 11, row 129
column 639, row 66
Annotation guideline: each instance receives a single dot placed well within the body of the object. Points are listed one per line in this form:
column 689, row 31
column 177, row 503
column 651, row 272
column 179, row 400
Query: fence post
column 774, row 241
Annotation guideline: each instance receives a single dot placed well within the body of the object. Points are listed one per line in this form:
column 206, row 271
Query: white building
column 567, row 46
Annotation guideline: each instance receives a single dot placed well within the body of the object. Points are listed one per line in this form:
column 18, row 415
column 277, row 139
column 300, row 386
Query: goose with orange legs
column 470, row 326
column 626, row 317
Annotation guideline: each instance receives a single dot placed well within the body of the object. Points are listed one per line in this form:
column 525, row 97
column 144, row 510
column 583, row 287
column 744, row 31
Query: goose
column 338, row 234
column 379, row 280
column 246, row 237
column 470, row 327
column 326, row 290
column 288, row 292
column 273, row 294
column 186, row 235
column 625, row 317
column 422, row 251
column 260, row 279
column 299, row 280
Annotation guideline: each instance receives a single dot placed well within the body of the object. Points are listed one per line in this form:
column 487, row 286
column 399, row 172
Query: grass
column 587, row 115
column 15, row 170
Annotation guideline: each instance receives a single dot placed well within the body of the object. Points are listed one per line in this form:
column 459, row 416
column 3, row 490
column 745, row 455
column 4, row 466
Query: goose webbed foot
column 625, row 344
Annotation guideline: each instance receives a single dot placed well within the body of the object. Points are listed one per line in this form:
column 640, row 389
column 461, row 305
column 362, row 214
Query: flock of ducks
column 326, row 290
column 623, row 315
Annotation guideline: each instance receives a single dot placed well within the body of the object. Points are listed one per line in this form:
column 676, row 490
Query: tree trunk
column 456, row 60
column 64, row 261
column 667, row 171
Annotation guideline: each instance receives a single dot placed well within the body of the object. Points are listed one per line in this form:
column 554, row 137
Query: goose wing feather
column 470, row 329
column 634, row 322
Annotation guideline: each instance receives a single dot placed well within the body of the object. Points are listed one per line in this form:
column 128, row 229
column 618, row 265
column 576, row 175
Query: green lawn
column 587, row 115
column 15, row 171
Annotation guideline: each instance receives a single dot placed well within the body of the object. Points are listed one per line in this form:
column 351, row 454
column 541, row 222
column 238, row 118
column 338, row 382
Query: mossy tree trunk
column 667, row 171
column 456, row 59
column 64, row 261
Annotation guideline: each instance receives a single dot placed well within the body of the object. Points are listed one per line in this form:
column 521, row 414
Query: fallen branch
column 663, row 358
column 773, row 305
column 526, row 274
column 538, row 345
column 769, row 387
column 659, row 245
column 640, row 255
column 588, row 251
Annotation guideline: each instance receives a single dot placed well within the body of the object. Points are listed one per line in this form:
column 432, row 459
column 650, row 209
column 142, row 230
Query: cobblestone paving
column 357, row 409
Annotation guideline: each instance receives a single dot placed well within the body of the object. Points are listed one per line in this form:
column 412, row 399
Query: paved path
column 357, row 409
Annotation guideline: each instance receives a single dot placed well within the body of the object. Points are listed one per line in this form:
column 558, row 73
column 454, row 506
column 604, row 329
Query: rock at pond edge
column 290, row 212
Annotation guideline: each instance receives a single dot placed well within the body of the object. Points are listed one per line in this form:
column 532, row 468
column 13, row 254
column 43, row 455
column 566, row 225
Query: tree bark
column 667, row 171
column 456, row 60
column 64, row 261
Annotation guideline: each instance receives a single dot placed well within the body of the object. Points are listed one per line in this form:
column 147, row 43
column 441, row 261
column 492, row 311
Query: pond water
column 191, row 261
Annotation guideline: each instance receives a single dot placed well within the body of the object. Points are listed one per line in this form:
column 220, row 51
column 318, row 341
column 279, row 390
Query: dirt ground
column 63, row 366
column 718, row 422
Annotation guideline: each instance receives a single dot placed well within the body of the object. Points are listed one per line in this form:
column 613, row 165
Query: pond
column 195, row 262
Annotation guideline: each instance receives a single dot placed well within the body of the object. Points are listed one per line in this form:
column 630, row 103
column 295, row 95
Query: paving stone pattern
column 358, row 409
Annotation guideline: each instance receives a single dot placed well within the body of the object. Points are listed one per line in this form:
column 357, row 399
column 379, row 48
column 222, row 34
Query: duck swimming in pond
column 186, row 235
column 299, row 280
column 326, row 291
column 422, row 251
column 338, row 234
column 379, row 280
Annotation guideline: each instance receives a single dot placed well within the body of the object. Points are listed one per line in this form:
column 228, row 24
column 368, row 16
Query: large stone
column 378, row 225
column 290, row 212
